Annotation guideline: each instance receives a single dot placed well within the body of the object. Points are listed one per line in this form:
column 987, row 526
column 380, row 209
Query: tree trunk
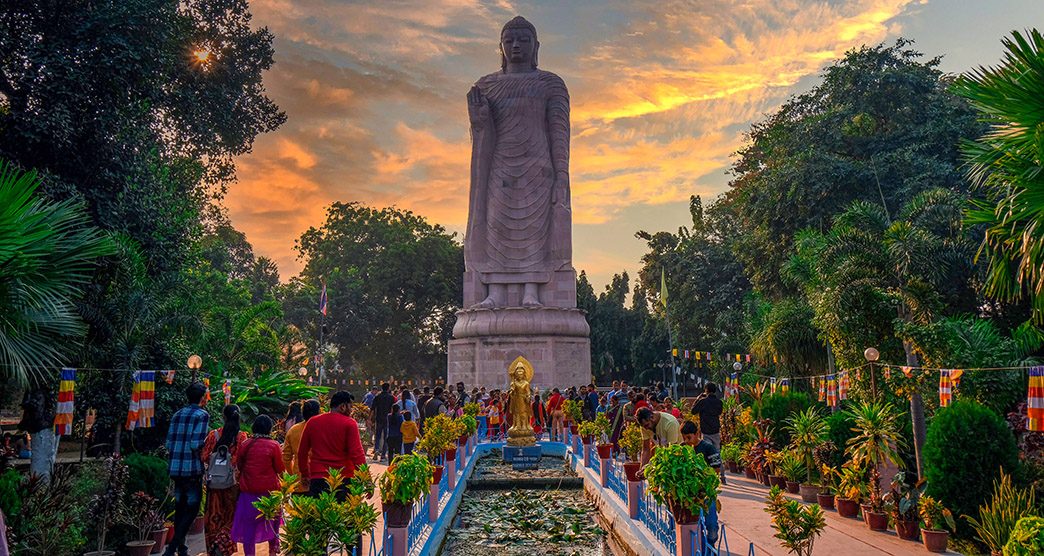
column 831, row 368
column 916, row 413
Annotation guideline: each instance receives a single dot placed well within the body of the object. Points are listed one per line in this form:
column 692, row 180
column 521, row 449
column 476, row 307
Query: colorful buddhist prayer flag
column 907, row 371
column 822, row 390
column 147, row 399
column 226, row 389
column 831, row 391
column 737, row 358
column 206, row 386
column 748, row 358
column 945, row 388
column 135, row 403
column 674, row 352
column 955, row 377
column 686, row 354
column 709, row 358
column 168, row 376
column 784, row 385
column 842, row 387
column 888, row 372
column 1035, row 399
column 772, row 385
column 63, row 415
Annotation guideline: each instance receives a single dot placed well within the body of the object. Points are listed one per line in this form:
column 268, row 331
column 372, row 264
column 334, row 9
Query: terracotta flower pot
column 170, row 533
column 397, row 514
column 907, row 529
column 793, row 487
column 197, row 526
column 573, row 428
column 776, row 480
column 826, row 501
column 682, row 516
column 140, row 548
column 934, row 541
column 631, row 468
column 766, row 479
column 876, row 521
column 605, row 451
column 462, row 440
column 808, row 493
column 750, row 473
column 732, row 466
column 846, row 507
column 450, row 454
column 587, row 439
column 160, row 536
column 436, row 474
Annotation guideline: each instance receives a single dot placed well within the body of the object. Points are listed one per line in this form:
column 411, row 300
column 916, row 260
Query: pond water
column 525, row 521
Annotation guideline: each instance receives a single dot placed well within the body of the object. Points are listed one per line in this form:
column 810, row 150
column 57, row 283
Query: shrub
column 967, row 447
column 631, row 441
column 406, row 479
column 680, row 478
column 147, row 474
column 779, row 408
column 841, row 426
column 1027, row 539
column 998, row 519
column 796, row 524
column 10, row 499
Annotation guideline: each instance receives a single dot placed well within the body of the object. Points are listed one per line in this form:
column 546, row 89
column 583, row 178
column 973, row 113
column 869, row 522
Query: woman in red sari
column 221, row 504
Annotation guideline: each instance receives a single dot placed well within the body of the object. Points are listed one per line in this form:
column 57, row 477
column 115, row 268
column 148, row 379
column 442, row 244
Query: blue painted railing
column 617, row 480
column 596, row 462
column 659, row 520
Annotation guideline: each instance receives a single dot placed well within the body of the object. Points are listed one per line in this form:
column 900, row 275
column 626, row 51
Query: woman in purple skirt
column 260, row 463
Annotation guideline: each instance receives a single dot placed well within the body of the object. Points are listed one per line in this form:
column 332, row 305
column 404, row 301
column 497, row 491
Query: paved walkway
column 743, row 503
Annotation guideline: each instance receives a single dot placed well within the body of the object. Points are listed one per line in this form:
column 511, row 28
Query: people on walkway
column 407, row 404
column 219, row 454
column 382, row 404
column 709, row 407
column 185, row 438
column 394, row 433
column 539, row 417
column 664, row 426
column 260, row 463
column 293, row 416
column 410, row 433
column 292, row 442
column 691, row 436
column 590, row 400
column 331, row 441
column 554, row 408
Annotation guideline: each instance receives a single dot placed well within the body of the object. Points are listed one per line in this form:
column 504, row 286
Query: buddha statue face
column 519, row 372
column 518, row 44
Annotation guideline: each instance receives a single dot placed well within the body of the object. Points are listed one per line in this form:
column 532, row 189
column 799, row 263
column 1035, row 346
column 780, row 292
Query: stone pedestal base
column 558, row 361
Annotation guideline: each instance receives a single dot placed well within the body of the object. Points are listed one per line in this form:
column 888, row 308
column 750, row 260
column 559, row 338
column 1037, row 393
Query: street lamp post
column 872, row 355
column 194, row 362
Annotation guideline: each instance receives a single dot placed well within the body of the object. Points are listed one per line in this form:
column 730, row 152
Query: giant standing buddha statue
column 519, row 280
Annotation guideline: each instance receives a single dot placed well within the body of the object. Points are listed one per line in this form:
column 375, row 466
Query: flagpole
column 670, row 333
column 323, row 301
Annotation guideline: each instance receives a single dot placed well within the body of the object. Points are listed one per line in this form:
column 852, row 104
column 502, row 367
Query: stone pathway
column 743, row 502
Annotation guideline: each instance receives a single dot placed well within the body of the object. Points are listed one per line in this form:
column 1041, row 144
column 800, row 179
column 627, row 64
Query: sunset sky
column 662, row 92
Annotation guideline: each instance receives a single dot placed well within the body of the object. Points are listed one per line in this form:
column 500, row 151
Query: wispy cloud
column 661, row 92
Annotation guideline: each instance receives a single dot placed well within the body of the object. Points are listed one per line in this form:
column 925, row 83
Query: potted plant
column 997, row 519
column 587, row 430
column 875, row 443
column 828, row 487
column 440, row 437
column 730, row 454
column 605, row 430
column 757, row 455
column 198, row 524
column 432, row 447
column 574, row 412
column 631, row 444
column 934, row 516
column 470, row 426
column 405, row 482
column 472, row 408
column 851, row 491
column 808, row 430
column 682, row 481
column 774, row 458
column 105, row 505
column 1027, row 537
column 792, row 469
column 142, row 513
column 900, row 503
column 744, row 460
column 311, row 531
column 797, row 525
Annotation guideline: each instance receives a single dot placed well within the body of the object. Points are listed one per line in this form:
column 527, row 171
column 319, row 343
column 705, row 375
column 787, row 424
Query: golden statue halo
column 525, row 365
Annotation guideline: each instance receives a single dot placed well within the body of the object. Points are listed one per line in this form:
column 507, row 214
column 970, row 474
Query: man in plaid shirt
column 185, row 437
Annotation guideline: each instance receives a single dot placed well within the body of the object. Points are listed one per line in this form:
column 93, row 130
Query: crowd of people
column 238, row 467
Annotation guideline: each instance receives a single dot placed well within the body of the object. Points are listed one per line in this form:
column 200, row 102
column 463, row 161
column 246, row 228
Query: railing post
column 604, row 470
column 433, row 503
column 451, row 472
column 397, row 538
column 684, row 532
column 587, row 455
column 634, row 495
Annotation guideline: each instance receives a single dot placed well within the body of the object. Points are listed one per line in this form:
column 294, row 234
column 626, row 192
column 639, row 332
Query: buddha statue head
column 518, row 43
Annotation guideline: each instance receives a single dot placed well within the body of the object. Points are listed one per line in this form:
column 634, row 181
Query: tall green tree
column 1006, row 164
column 882, row 127
column 393, row 282
column 48, row 252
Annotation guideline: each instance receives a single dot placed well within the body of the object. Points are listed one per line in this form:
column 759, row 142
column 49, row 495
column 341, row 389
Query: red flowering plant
column 142, row 512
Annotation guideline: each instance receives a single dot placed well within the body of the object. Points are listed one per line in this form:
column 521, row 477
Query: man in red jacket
column 331, row 441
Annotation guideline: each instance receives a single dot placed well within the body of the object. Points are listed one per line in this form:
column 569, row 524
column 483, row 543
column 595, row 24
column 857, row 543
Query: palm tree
column 877, row 440
column 1006, row 164
column 47, row 254
column 808, row 429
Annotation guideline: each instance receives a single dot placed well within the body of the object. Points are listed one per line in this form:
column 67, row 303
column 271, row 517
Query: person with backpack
column 394, row 433
column 185, row 438
column 219, row 455
column 260, row 463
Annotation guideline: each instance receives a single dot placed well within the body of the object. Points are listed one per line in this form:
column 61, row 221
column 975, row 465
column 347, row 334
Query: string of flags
column 709, row 356
column 226, row 389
